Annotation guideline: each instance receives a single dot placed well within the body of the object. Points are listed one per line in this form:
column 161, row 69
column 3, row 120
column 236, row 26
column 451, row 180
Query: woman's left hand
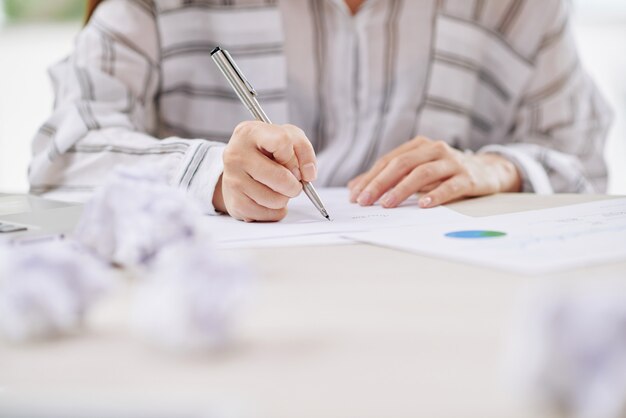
column 442, row 173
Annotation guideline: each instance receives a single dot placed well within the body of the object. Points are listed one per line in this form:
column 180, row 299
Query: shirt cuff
column 202, row 170
column 534, row 176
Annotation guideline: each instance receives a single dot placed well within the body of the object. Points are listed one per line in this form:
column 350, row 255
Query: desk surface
column 360, row 332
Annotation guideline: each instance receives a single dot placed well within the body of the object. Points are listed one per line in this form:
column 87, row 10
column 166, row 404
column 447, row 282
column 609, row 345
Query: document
column 304, row 225
column 534, row 242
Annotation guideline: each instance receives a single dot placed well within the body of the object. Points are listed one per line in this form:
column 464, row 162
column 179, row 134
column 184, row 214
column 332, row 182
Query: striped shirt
column 498, row 76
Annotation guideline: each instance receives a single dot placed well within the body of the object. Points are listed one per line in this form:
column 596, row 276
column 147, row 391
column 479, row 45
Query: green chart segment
column 475, row 234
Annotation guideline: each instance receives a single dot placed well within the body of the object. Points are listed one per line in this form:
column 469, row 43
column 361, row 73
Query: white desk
column 351, row 331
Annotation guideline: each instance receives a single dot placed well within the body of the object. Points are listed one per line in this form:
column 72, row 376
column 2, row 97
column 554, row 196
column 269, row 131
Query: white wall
column 601, row 34
column 25, row 92
column 26, row 97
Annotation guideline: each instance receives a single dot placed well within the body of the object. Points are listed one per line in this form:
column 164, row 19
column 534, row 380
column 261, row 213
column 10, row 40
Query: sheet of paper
column 304, row 221
column 533, row 242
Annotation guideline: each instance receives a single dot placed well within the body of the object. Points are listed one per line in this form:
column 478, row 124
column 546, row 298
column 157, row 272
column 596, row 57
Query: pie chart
column 477, row 234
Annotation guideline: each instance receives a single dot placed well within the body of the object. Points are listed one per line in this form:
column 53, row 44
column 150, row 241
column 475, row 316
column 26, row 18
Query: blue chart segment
column 475, row 234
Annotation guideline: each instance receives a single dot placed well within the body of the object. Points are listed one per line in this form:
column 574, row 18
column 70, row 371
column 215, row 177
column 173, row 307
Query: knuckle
column 244, row 128
column 401, row 163
column 441, row 147
column 454, row 188
column 375, row 186
column 428, row 173
column 472, row 181
column 230, row 156
column 232, row 183
column 457, row 165
column 238, row 204
column 381, row 163
column 239, row 184
column 296, row 130
column 282, row 144
column 284, row 138
column 417, row 140
column 292, row 164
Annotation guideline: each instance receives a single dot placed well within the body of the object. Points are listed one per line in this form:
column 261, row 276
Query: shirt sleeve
column 557, row 139
column 105, row 113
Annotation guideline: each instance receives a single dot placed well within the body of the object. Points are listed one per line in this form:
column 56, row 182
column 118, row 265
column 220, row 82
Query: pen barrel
column 311, row 193
column 240, row 85
column 257, row 111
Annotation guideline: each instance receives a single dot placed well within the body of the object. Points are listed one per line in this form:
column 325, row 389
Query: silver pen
column 247, row 95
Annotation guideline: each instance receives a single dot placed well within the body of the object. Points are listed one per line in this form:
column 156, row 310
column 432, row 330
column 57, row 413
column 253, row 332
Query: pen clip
column 239, row 73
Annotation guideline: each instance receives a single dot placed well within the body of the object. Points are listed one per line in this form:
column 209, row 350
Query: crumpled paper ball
column 567, row 349
column 189, row 297
column 47, row 288
column 135, row 214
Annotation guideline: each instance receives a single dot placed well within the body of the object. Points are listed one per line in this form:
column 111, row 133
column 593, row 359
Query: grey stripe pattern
column 141, row 86
column 391, row 56
column 317, row 14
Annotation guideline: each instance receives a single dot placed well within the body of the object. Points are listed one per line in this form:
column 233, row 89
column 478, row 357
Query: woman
column 451, row 99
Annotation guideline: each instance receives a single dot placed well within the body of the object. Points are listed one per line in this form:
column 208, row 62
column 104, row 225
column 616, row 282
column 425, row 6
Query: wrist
column 509, row 177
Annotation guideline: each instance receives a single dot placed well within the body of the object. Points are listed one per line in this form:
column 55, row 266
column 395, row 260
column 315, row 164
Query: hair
column 91, row 7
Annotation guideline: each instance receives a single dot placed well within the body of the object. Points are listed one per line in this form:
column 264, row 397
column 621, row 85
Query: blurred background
column 36, row 33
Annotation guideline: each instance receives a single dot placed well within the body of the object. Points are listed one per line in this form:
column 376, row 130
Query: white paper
column 304, row 221
column 536, row 242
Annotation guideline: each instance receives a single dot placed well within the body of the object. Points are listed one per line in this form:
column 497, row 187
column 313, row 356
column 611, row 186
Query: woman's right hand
column 263, row 166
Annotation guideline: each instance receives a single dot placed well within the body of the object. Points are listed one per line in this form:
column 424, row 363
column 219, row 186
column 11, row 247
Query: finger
column 452, row 189
column 277, row 143
column 426, row 148
column 355, row 180
column 402, row 164
column 304, row 153
column 429, row 187
column 354, row 193
column 263, row 195
column 275, row 140
column 365, row 178
column 389, row 177
column 273, row 175
column 246, row 209
column 426, row 174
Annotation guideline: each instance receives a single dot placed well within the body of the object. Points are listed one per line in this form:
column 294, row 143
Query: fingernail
column 296, row 173
column 425, row 201
column 309, row 172
column 389, row 199
column 364, row 198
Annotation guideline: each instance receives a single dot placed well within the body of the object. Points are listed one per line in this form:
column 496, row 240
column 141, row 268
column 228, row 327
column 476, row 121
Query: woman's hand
column 442, row 173
column 263, row 166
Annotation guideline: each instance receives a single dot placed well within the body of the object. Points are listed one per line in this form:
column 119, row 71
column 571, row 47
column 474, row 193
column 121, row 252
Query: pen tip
column 327, row 217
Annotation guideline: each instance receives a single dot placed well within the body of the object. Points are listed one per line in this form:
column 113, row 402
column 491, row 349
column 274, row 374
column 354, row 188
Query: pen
column 247, row 95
